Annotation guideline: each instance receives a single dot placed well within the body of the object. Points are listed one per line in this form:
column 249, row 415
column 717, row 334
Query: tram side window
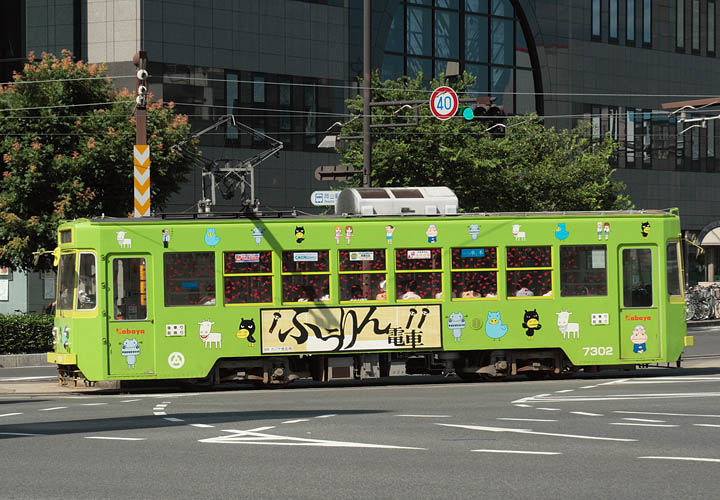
column 248, row 277
column 529, row 272
column 66, row 282
column 362, row 275
column 87, row 282
column 583, row 270
column 674, row 276
column 189, row 278
column 637, row 277
column 129, row 289
column 474, row 272
column 418, row 273
column 306, row 276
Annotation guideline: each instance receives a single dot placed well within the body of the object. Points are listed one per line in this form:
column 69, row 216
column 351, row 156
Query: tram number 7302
column 598, row 351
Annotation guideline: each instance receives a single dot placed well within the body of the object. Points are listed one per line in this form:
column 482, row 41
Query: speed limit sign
column 444, row 103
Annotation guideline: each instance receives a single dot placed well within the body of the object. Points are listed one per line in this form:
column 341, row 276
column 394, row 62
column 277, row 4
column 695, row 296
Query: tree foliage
column 67, row 139
column 530, row 168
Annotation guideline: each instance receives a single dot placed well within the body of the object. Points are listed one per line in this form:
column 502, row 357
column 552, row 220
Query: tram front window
column 66, row 282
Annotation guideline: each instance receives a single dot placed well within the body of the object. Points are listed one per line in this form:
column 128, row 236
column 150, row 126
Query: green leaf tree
column 67, row 139
column 528, row 168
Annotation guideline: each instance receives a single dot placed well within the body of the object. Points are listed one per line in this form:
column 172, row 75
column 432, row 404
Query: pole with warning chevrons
column 141, row 152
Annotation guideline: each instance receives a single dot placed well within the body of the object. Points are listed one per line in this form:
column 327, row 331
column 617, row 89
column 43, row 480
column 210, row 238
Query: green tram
column 396, row 282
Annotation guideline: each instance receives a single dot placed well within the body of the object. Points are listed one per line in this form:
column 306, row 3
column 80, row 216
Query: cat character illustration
column 531, row 321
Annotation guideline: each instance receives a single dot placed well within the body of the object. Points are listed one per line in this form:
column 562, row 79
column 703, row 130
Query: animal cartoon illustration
column 474, row 230
column 258, row 234
column 456, row 323
column 531, row 321
column 639, row 339
column 209, row 337
column 494, row 327
column 299, row 234
column 211, row 237
column 645, row 228
column 432, row 233
column 123, row 241
column 561, row 232
column 130, row 349
column 246, row 328
column 519, row 235
column 567, row 328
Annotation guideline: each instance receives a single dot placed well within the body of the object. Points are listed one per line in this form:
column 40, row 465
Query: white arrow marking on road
column 528, row 431
column 521, row 452
column 254, row 436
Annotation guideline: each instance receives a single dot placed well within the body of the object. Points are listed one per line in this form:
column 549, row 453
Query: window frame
column 400, row 272
column 94, row 281
column 625, row 281
column 213, row 279
column 383, row 272
column 326, row 274
column 457, row 271
column 226, row 275
column 509, row 269
column 590, row 247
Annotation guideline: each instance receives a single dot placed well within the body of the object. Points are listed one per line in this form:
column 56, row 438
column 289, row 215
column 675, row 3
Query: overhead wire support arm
column 228, row 175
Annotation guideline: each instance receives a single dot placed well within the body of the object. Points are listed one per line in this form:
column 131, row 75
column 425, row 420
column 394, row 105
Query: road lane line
column 424, row 416
column 296, row 421
column 10, row 414
column 548, row 409
column 129, row 400
column 587, row 414
column 520, row 452
column 637, row 424
column 644, row 420
column 523, row 406
column 92, row 404
column 203, row 426
column 20, row 379
column 698, row 425
column 173, row 419
column 327, row 416
column 527, row 419
column 159, row 413
column 565, row 390
column 528, row 431
column 54, row 408
column 666, row 414
column 108, row 438
column 588, row 387
column 691, row 459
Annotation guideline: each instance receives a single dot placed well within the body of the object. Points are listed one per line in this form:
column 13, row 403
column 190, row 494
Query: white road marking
column 173, row 419
column 327, row 416
column 644, row 420
column 698, row 425
column 115, row 438
column 159, row 413
column 587, row 414
column 296, row 421
column 638, row 424
column 9, row 414
column 565, row 390
column 670, row 380
column 160, row 407
column 524, row 406
column 93, row 404
column 691, row 459
column 620, row 397
column 548, row 409
column 588, row 387
column 520, row 452
column 666, row 414
column 255, row 436
column 527, row 419
column 20, row 379
column 203, row 426
column 54, row 408
column 18, row 434
column 528, row 431
column 129, row 400
column 424, row 416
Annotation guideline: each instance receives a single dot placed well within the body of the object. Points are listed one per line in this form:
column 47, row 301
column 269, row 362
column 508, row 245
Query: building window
column 258, row 89
column 647, row 139
column 696, row 26
column 362, row 273
column 711, row 28
column 647, row 23
column 310, row 108
column 680, row 25
column 248, row 277
column 231, row 101
column 596, row 19
column 613, row 26
column 474, row 273
column 630, row 138
column 630, row 22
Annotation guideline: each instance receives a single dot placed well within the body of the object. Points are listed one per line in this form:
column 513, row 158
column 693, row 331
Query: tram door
column 640, row 325
column 131, row 339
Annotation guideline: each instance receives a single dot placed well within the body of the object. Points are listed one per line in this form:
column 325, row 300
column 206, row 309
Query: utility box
column 397, row 201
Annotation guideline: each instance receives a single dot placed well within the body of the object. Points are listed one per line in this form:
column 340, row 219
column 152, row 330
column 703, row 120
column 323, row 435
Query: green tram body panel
column 592, row 325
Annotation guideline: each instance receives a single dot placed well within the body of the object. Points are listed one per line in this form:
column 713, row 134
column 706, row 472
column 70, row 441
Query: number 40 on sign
column 444, row 103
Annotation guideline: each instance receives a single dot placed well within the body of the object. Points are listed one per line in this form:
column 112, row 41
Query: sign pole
column 141, row 151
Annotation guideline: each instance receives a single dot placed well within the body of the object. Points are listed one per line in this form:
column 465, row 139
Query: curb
column 23, row 360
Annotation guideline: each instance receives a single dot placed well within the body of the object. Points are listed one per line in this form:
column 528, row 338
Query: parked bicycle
column 702, row 302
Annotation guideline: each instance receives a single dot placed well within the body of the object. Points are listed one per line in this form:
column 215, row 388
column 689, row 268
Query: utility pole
column 141, row 152
column 367, row 145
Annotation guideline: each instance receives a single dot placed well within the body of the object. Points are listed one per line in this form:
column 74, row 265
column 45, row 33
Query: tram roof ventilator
column 434, row 200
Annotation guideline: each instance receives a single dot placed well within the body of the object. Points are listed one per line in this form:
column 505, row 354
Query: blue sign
column 467, row 253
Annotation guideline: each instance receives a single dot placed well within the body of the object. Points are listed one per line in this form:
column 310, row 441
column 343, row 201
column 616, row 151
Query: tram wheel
column 469, row 377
